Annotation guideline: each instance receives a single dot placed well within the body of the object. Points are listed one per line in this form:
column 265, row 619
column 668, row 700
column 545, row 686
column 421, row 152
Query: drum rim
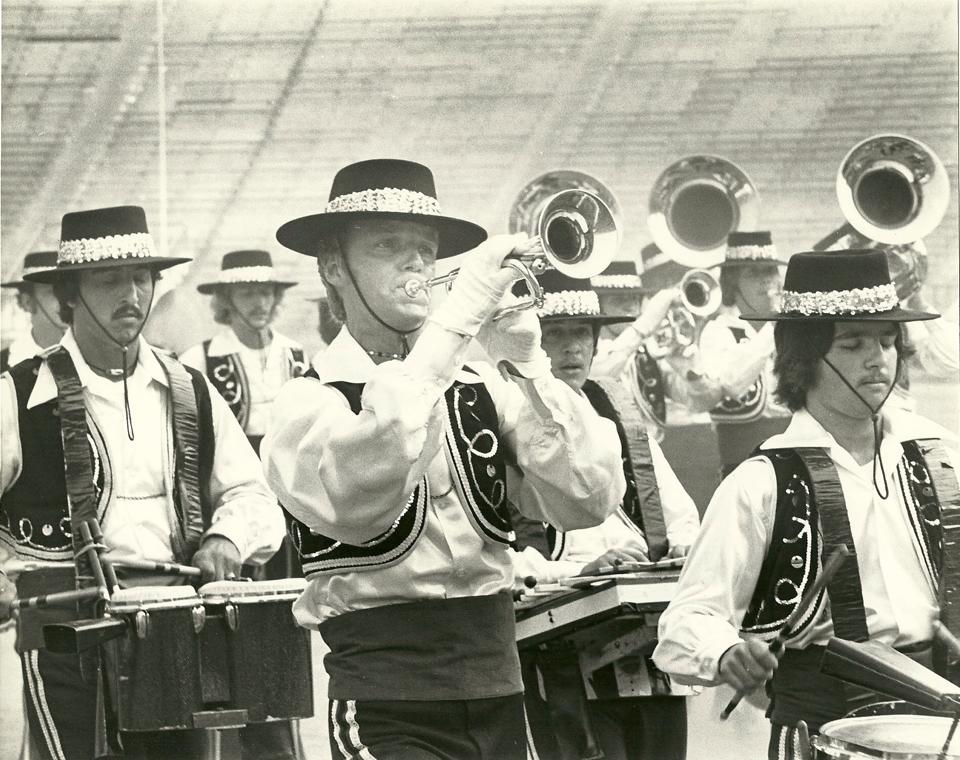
column 824, row 741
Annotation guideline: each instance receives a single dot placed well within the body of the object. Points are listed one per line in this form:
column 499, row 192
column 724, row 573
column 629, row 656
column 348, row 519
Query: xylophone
column 610, row 619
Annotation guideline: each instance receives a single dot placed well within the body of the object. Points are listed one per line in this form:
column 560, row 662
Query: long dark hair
column 800, row 346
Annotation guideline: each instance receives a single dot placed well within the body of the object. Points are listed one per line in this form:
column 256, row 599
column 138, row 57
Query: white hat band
column 136, row 245
column 387, row 199
column 857, row 301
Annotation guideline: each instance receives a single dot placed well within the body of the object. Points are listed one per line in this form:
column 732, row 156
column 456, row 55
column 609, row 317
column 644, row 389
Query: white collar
column 898, row 425
column 226, row 342
column 45, row 388
column 345, row 360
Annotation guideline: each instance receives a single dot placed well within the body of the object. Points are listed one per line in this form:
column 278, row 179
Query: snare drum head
column 137, row 597
column 252, row 591
column 892, row 737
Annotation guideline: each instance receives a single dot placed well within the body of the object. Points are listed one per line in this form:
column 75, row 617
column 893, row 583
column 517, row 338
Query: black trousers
column 61, row 712
column 476, row 729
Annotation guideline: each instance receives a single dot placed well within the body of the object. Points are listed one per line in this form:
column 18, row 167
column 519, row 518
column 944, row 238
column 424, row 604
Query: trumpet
column 680, row 330
column 575, row 231
column 893, row 191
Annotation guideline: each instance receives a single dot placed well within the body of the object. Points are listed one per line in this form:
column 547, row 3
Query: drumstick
column 108, row 573
column 58, row 598
column 830, row 568
column 136, row 563
column 949, row 740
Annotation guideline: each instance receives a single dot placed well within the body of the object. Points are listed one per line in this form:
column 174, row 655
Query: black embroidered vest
column 227, row 375
column 478, row 473
column 747, row 406
column 34, row 512
column 794, row 558
column 650, row 380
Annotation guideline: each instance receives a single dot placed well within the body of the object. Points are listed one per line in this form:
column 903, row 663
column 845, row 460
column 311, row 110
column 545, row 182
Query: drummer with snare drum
column 848, row 471
column 656, row 519
column 103, row 427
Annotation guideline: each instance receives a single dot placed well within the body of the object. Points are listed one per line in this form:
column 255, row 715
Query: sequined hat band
column 617, row 281
column 570, row 303
column 752, row 253
column 246, row 274
column 879, row 298
column 135, row 245
column 387, row 199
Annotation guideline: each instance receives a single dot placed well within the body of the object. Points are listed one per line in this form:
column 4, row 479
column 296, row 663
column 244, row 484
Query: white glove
column 654, row 312
column 480, row 284
column 513, row 342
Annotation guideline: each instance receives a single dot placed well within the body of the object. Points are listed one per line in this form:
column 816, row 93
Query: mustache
column 127, row 311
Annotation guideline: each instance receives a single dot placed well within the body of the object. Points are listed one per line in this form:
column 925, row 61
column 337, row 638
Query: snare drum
column 250, row 625
column 889, row 737
column 154, row 670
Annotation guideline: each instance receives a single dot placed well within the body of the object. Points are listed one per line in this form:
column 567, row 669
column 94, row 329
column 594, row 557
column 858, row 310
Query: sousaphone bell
column 695, row 203
column 893, row 191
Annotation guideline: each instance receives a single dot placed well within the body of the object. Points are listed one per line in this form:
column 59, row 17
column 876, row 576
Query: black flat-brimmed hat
column 750, row 249
column 382, row 188
column 104, row 238
column 839, row 286
column 37, row 261
column 620, row 277
column 569, row 298
column 245, row 267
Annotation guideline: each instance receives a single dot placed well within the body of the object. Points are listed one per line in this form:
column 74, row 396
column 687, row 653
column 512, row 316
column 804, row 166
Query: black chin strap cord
column 259, row 333
column 402, row 334
column 127, row 413
column 877, row 427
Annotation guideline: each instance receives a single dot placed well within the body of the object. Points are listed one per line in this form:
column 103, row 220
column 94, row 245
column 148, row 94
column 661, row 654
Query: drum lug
column 199, row 618
column 142, row 623
column 233, row 619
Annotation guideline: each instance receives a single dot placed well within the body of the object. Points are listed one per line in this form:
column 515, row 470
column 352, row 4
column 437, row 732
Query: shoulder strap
column 611, row 401
column 188, row 503
column 845, row 592
column 81, row 491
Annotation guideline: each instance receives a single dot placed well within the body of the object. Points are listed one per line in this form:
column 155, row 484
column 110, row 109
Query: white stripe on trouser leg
column 359, row 747
column 335, row 730
column 782, row 744
column 531, row 747
column 44, row 718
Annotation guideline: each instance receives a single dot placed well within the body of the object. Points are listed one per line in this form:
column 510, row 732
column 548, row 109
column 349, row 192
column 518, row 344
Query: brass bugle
column 576, row 233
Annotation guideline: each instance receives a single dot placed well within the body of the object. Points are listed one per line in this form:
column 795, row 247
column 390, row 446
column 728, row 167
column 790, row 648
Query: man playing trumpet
column 395, row 460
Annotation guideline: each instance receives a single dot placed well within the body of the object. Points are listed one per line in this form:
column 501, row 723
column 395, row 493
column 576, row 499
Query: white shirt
column 137, row 505
column 618, row 531
column 615, row 359
column 347, row 476
column 24, row 347
column 266, row 371
column 735, row 366
column 720, row 574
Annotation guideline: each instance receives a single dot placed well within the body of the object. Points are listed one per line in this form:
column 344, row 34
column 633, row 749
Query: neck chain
column 384, row 355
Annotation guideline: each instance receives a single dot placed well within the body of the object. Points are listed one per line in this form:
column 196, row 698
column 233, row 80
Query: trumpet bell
column 579, row 233
column 893, row 189
column 700, row 293
column 695, row 203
